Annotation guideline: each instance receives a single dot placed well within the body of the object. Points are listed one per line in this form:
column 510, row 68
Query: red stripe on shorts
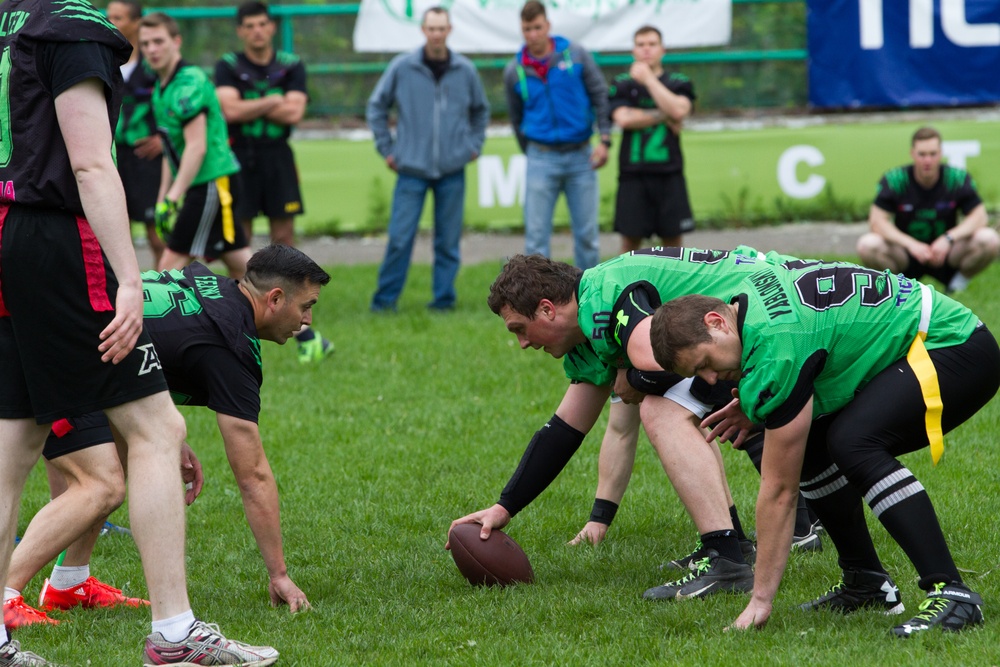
column 93, row 266
column 4, row 208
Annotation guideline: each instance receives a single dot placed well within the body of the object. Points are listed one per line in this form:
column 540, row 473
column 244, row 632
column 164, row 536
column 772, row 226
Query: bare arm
column 640, row 350
column 781, row 469
column 195, row 147
column 633, row 118
column 673, row 106
column 238, row 110
column 291, row 110
column 259, row 491
column 82, row 114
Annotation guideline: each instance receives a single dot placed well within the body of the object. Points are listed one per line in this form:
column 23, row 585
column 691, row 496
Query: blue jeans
column 549, row 173
column 407, row 205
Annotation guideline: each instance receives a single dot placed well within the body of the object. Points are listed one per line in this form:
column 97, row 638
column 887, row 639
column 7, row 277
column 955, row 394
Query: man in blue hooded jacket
column 555, row 93
column 442, row 114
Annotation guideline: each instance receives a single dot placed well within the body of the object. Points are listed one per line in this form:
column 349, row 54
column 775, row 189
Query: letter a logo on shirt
column 150, row 361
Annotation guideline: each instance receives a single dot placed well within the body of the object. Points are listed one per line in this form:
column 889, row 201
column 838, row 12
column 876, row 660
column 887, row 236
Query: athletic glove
column 164, row 215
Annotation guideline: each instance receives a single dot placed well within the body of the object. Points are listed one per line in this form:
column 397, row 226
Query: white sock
column 9, row 593
column 67, row 577
column 175, row 628
column 958, row 283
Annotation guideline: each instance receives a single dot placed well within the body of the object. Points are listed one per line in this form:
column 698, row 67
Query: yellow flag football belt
column 923, row 368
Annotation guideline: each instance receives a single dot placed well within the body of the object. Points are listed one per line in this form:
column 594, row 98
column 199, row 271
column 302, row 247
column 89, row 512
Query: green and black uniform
column 141, row 177
column 270, row 179
column 652, row 193
column 927, row 213
column 841, row 334
column 57, row 291
column 205, row 225
column 206, row 345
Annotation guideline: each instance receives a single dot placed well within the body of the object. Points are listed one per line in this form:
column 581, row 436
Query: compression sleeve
column 547, row 454
column 652, row 382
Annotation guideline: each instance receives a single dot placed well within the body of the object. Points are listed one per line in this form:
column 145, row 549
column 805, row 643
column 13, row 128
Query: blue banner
column 903, row 53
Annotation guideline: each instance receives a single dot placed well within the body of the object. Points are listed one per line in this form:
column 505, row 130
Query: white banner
column 494, row 26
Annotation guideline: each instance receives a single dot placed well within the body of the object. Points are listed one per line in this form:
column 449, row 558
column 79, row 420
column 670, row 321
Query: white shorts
column 680, row 394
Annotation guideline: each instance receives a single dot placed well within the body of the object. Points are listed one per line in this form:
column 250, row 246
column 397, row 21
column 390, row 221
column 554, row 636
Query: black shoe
column 713, row 574
column 690, row 562
column 809, row 541
column 949, row 607
column 860, row 589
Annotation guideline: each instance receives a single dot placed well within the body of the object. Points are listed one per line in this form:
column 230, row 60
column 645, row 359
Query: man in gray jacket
column 442, row 114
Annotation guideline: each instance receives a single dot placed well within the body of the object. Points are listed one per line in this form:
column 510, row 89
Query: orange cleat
column 17, row 614
column 91, row 593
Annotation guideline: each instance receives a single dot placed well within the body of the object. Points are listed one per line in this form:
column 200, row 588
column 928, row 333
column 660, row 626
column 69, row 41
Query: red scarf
column 541, row 66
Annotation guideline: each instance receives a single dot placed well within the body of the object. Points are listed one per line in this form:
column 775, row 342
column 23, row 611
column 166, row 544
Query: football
column 497, row 561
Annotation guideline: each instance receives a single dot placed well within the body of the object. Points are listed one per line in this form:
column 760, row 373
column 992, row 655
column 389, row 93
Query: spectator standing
column 555, row 92
column 442, row 114
column 650, row 105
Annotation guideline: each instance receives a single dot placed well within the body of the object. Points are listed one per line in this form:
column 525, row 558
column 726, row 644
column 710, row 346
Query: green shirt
column 188, row 94
column 615, row 295
column 826, row 329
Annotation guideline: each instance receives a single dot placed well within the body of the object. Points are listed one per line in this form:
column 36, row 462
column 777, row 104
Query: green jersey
column 826, row 329
column 187, row 94
column 615, row 296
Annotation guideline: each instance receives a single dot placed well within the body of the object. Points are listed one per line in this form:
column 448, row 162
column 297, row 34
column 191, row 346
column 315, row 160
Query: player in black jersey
column 207, row 331
column 650, row 105
column 137, row 145
column 71, row 338
column 914, row 221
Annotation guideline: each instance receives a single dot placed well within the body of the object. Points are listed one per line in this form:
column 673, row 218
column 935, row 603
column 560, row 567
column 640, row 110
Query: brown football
column 497, row 561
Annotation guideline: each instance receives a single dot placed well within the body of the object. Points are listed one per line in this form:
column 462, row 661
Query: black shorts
column 915, row 270
column 206, row 213
column 76, row 433
column 141, row 179
column 270, row 182
column 58, row 294
column 650, row 205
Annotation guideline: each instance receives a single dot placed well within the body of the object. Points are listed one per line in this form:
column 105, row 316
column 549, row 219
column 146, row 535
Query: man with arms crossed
column 64, row 243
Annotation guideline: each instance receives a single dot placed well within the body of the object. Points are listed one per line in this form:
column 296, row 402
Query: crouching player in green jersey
column 848, row 368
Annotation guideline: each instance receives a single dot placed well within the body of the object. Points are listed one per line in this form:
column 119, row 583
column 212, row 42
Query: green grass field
column 419, row 419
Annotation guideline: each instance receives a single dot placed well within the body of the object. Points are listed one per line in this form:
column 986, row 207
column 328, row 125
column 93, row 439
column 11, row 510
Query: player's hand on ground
column 626, row 391
column 754, row 616
column 593, row 533
column 489, row 518
column 149, row 148
column 284, row 591
column 729, row 422
column 119, row 337
column 191, row 474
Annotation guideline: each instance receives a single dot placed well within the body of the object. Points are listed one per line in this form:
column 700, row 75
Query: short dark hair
column 527, row 279
column 437, row 9
column 924, row 133
column 648, row 28
column 134, row 8
column 251, row 8
column 679, row 324
column 283, row 266
column 532, row 10
column 158, row 19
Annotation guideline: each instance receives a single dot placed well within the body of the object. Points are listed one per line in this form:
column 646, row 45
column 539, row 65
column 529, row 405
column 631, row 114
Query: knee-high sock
column 838, row 505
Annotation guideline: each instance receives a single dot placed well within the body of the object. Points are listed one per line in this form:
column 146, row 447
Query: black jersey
column 926, row 213
column 137, row 120
column 203, row 330
column 46, row 47
column 285, row 72
column 655, row 149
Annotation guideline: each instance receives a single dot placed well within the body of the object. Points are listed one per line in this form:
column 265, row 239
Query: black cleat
column 690, row 562
column 713, row 574
column 860, row 589
column 949, row 607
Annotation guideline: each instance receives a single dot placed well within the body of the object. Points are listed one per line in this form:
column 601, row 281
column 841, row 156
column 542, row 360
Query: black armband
column 547, row 454
column 652, row 382
column 604, row 511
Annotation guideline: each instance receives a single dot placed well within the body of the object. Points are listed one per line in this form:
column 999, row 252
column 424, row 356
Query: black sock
column 725, row 542
column 737, row 526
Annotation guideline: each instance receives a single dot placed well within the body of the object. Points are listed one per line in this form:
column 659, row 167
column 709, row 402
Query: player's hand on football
column 191, row 474
column 119, row 337
column 489, row 518
column 284, row 591
column 754, row 616
column 593, row 533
